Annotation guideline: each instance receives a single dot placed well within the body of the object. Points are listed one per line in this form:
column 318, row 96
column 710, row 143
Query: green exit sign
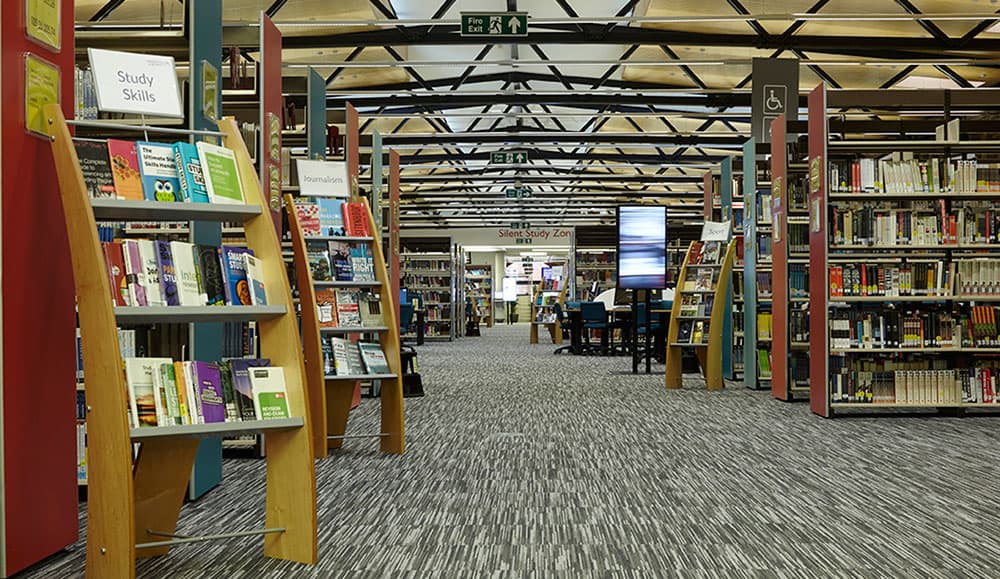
column 518, row 193
column 494, row 24
column 508, row 157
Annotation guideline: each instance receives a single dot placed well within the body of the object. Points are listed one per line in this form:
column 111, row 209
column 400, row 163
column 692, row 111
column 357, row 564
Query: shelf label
column 138, row 84
column 815, row 173
column 41, row 88
column 209, row 91
column 495, row 24
column 715, row 231
column 323, row 178
column 42, row 20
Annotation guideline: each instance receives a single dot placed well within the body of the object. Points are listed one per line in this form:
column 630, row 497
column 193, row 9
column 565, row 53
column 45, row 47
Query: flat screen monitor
column 642, row 246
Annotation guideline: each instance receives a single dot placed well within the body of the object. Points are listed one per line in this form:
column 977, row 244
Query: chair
column 595, row 317
column 564, row 322
column 412, row 383
column 654, row 324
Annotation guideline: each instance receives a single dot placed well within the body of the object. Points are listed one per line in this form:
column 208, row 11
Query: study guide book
column 158, row 171
column 168, row 275
column 95, row 164
column 240, row 368
column 373, row 358
column 234, row 269
column 270, row 397
column 151, row 272
column 115, row 261
column 222, row 176
column 125, row 169
column 189, row 173
column 134, row 273
column 187, row 275
column 142, row 392
column 212, row 281
column 209, row 391
column 255, row 280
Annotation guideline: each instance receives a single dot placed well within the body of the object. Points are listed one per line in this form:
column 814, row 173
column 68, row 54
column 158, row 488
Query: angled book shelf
column 133, row 505
column 697, row 319
column 543, row 312
column 328, row 314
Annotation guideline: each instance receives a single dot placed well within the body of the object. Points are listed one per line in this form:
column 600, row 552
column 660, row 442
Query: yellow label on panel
column 42, row 22
column 41, row 87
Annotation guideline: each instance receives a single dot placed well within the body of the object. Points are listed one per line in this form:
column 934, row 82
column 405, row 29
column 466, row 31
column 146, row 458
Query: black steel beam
column 617, row 178
column 438, row 101
column 639, row 159
column 273, row 8
column 597, row 139
column 106, row 10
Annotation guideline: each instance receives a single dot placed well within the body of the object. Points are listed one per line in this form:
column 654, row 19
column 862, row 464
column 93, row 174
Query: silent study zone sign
column 494, row 24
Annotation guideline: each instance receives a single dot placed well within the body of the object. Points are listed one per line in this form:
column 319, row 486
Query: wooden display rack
column 710, row 353
column 133, row 506
column 330, row 397
column 555, row 328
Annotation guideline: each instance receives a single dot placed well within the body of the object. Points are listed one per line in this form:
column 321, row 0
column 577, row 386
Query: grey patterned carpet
column 525, row 464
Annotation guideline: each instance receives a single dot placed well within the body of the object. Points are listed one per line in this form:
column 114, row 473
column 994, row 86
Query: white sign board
column 715, row 231
column 510, row 289
column 138, row 84
column 323, row 178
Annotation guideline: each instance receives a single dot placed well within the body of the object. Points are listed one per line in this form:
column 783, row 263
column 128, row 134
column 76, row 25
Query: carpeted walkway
column 525, row 464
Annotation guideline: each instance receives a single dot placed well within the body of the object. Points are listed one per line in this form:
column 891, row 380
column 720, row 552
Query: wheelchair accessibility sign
column 775, row 104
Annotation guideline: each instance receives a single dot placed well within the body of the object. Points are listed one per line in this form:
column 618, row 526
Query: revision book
column 234, row 268
column 159, row 171
column 95, row 164
column 125, row 169
column 222, row 176
column 190, row 174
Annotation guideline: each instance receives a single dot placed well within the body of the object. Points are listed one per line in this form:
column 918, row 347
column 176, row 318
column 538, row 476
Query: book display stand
column 543, row 312
column 720, row 207
column 133, row 505
column 904, row 246
column 330, row 396
column 698, row 315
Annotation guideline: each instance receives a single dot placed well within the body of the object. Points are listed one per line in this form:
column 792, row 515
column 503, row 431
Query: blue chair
column 405, row 317
column 567, row 328
column 595, row 317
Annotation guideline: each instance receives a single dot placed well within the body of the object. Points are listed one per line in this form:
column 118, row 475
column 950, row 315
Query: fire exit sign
column 495, row 24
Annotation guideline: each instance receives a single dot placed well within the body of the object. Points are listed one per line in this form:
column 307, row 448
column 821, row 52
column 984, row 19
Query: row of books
column 917, row 387
column 692, row 332
column 341, row 261
column 705, row 252
column 798, row 238
column 764, row 363
column 765, row 208
column 85, row 94
column 163, row 392
column 700, row 279
column 330, row 216
column 862, row 329
column 798, row 280
column 348, row 308
column 917, row 278
column 901, row 173
column 197, row 173
column 585, row 258
column 764, row 287
column 443, row 265
column 798, row 325
column 145, row 272
column 416, row 282
column 765, row 248
column 342, row 357
column 926, row 223
column 765, row 325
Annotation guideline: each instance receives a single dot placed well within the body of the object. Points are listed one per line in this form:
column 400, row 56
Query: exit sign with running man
column 495, row 24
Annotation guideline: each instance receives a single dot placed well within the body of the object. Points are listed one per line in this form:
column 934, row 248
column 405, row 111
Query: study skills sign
column 139, row 84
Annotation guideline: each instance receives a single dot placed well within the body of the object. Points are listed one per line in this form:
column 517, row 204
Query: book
column 371, row 311
column 373, row 358
column 234, row 270
column 210, row 266
column 189, row 173
column 184, row 401
column 340, row 258
column 115, row 261
column 307, row 213
column 125, row 169
column 222, row 176
column 684, row 332
column 326, row 306
column 142, row 393
column 95, row 164
column 255, row 281
column 355, row 219
column 270, row 398
column 151, row 272
column 158, row 171
column 167, row 382
column 242, row 388
column 228, row 392
column 339, row 347
column 319, row 262
column 329, row 369
column 362, row 262
column 168, row 275
column 703, row 280
column 698, row 334
column 331, row 216
column 208, row 388
column 348, row 307
column 134, row 273
column 711, row 252
column 188, row 292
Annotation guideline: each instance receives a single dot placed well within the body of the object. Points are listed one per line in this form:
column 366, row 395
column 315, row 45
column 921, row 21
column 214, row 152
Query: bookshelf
column 547, row 295
column 479, row 287
column 126, row 498
column 720, row 207
column 431, row 278
column 790, row 274
column 758, row 322
column 699, row 311
column 905, row 258
column 331, row 396
column 595, row 265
